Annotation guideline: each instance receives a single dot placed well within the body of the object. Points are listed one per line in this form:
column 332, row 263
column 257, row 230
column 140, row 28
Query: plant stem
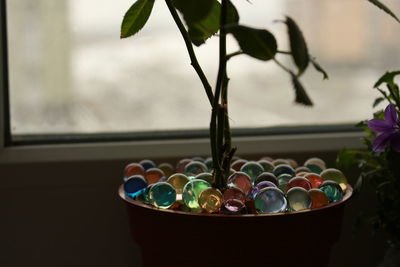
column 192, row 55
column 216, row 124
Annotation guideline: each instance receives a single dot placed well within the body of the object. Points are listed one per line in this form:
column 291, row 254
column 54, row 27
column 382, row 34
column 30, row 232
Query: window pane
column 70, row 72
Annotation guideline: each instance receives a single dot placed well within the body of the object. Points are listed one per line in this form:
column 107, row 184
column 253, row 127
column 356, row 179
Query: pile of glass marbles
column 253, row 187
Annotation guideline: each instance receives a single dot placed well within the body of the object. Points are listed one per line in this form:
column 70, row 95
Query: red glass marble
column 315, row 179
column 233, row 192
column 299, row 182
column 153, row 175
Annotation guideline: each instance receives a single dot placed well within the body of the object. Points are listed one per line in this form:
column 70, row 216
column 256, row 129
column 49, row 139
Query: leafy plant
column 199, row 20
column 380, row 163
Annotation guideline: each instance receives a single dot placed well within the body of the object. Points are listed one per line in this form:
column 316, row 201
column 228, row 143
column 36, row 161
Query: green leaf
column 203, row 29
column 257, row 43
column 301, row 94
column 377, row 101
column 388, row 78
column 298, row 46
column 319, row 68
column 194, row 10
column 384, row 8
column 136, row 17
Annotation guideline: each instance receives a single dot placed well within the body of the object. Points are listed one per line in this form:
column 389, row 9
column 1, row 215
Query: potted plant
column 179, row 238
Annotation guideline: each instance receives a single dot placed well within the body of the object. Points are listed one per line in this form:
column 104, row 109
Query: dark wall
column 69, row 214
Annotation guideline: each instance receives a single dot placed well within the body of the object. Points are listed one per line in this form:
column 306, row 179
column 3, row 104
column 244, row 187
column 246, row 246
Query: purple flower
column 388, row 129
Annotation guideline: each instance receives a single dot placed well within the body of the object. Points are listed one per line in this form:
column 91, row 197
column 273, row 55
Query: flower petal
column 395, row 142
column 381, row 141
column 391, row 114
column 380, row 126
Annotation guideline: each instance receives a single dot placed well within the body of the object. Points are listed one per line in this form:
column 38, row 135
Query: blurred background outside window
column 70, row 72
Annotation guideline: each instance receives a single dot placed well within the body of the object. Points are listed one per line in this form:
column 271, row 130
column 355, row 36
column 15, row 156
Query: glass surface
column 70, row 72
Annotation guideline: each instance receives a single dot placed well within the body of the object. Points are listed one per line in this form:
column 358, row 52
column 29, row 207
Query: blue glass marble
column 252, row 169
column 270, row 200
column 134, row 185
column 284, row 169
column 332, row 190
column 163, row 195
column 147, row 164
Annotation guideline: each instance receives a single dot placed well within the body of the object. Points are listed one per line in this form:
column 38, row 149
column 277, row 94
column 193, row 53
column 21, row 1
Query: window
column 71, row 74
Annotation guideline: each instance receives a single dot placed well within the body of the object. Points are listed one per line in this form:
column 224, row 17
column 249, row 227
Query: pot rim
column 122, row 195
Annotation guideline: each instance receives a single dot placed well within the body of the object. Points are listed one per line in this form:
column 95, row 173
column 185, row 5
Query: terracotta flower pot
column 174, row 238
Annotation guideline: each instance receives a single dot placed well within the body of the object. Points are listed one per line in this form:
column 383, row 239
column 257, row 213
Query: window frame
column 168, row 144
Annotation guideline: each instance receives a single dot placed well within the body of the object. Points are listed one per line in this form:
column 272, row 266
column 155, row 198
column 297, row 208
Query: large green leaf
column 136, row 17
column 203, row 29
column 194, row 10
column 301, row 94
column 298, row 46
column 260, row 44
column 384, row 8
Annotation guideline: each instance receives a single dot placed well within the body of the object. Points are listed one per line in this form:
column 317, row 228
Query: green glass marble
column 298, row 199
column 283, row 181
column 267, row 165
column 317, row 162
column 252, row 169
column 195, row 167
column 314, row 168
column 270, row 200
column 206, row 176
column 163, row 195
column 332, row 190
column 191, row 192
column 334, row 175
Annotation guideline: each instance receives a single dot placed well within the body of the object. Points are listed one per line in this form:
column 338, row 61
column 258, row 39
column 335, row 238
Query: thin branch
column 231, row 55
column 190, row 50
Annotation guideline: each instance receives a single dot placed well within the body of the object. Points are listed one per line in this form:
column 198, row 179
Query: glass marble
column 292, row 163
column 206, row 176
column 314, row 179
column 302, row 169
column 134, row 185
column 270, row 200
column 314, row 168
column 211, row 200
column 317, row 162
column 253, row 169
column 260, row 186
column 191, row 192
column 209, row 164
column 267, row 165
column 237, row 165
column 266, row 176
column 267, row 159
column 180, row 166
column 318, row 198
column 277, row 162
column 178, row 181
column 199, row 159
column 144, row 195
column 233, row 206
column 195, row 167
column 241, row 180
column 163, row 195
column 336, row 176
column 153, row 175
column 332, row 190
column 298, row 199
column 147, row 164
column 283, row 181
column 167, row 168
column 299, row 182
column 233, row 192
column 133, row 169
column 283, row 169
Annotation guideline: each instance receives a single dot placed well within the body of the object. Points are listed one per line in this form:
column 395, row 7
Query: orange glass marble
column 133, row 169
column 318, row 198
column 153, row 175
